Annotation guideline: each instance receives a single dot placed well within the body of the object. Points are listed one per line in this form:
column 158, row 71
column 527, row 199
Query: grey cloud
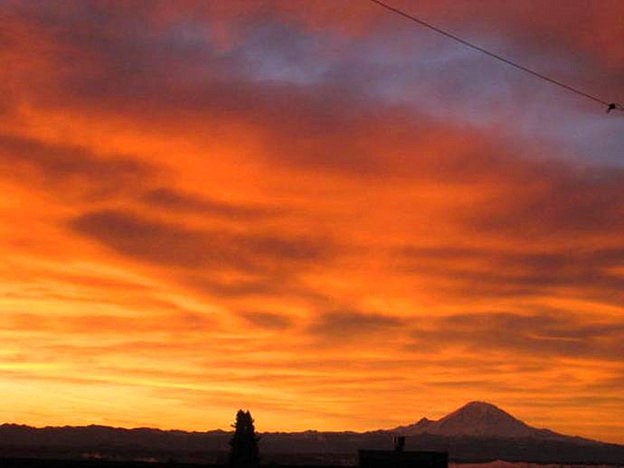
column 544, row 335
column 269, row 320
column 70, row 168
column 558, row 201
column 171, row 245
column 170, row 199
column 492, row 273
column 350, row 324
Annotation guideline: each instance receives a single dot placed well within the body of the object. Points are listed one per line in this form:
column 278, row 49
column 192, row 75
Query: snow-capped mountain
column 477, row 419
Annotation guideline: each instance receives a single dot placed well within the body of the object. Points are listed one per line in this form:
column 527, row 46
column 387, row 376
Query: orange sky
column 314, row 210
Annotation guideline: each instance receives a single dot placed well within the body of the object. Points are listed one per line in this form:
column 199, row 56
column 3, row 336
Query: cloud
column 518, row 273
column 541, row 334
column 99, row 324
column 560, row 201
column 350, row 325
column 68, row 168
column 171, row 245
column 169, row 199
column 268, row 320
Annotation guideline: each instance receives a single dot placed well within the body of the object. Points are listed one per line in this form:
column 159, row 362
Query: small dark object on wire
column 610, row 105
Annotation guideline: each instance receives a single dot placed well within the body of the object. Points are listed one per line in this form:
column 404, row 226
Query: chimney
column 399, row 443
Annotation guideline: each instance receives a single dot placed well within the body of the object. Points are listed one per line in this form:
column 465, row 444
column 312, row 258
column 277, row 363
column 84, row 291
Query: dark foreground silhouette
column 477, row 432
column 244, row 451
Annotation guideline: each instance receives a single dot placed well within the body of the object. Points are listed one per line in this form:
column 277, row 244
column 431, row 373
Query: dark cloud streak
column 172, row 245
column 68, row 168
column 548, row 335
column 174, row 200
column 348, row 325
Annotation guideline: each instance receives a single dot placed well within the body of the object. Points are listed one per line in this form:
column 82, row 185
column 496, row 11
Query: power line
column 610, row 105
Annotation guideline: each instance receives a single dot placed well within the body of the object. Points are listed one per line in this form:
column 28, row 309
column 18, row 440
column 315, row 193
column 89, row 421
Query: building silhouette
column 400, row 458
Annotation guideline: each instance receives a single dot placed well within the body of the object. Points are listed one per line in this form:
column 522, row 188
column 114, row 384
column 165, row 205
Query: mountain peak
column 481, row 410
column 481, row 404
column 479, row 418
column 416, row 428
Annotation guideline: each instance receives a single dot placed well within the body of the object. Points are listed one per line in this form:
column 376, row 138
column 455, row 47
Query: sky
column 318, row 211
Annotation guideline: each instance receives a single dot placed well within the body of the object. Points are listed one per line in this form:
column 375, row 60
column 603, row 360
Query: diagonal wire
column 610, row 105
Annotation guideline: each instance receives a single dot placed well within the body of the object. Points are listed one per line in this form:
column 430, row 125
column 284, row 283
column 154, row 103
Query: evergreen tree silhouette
column 244, row 443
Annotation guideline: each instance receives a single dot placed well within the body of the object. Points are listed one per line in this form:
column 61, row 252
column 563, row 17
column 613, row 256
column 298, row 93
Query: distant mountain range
column 477, row 432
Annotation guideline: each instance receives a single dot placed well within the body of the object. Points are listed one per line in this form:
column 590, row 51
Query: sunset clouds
column 314, row 210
